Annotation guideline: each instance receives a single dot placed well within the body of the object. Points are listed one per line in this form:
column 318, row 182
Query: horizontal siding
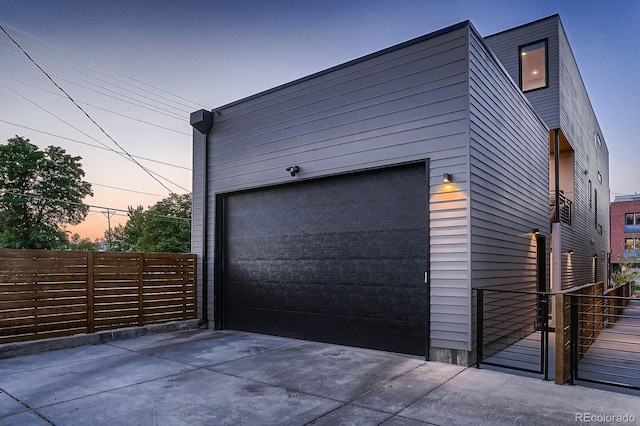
column 406, row 105
column 579, row 124
column 505, row 46
column 509, row 174
column 509, row 169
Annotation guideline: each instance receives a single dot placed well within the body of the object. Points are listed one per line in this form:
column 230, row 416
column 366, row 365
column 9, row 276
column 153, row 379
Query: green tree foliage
column 41, row 192
column 134, row 228
column 83, row 244
column 115, row 239
column 164, row 227
column 625, row 272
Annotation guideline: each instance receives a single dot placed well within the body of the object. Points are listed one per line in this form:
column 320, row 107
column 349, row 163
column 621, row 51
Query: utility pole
column 109, row 214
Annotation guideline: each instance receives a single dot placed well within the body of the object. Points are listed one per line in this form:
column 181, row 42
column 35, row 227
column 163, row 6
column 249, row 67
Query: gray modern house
column 578, row 155
column 362, row 204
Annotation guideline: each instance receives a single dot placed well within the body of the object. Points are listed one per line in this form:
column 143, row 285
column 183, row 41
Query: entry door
column 339, row 260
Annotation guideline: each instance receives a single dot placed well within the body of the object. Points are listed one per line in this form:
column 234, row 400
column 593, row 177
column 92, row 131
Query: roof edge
column 555, row 15
column 504, row 71
column 349, row 63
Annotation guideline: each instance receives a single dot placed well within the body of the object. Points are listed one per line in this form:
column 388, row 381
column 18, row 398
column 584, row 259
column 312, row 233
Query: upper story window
column 597, row 140
column 632, row 218
column 631, row 223
column 533, row 66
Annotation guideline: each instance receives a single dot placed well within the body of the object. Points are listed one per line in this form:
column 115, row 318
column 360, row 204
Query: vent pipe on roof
column 202, row 121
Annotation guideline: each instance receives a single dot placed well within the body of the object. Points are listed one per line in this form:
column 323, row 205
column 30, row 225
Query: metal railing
column 512, row 330
column 605, row 339
column 596, row 333
column 564, row 206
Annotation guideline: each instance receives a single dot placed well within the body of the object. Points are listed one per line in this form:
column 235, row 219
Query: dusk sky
column 170, row 58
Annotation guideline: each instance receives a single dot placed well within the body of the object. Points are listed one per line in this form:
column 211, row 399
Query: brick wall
column 618, row 210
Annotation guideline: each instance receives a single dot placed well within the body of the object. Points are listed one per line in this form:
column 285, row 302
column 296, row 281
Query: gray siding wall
column 407, row 104
column 510, row 177
column 505, row 46
column 509, row 163
column 579, row 124
column 565, row 105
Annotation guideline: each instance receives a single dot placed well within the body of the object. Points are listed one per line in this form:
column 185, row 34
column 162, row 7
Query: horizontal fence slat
column 45, row 293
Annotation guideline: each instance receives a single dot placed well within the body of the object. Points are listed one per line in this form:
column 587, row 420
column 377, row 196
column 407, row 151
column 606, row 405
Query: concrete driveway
column 204, row 377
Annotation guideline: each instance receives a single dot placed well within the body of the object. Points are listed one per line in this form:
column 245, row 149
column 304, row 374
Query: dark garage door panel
column 340, row 260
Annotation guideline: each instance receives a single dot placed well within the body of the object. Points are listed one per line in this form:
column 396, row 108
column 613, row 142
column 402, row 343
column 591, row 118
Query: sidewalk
column 204, row 377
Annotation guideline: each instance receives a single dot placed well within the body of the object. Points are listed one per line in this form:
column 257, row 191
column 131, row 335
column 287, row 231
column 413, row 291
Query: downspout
column 202, row 121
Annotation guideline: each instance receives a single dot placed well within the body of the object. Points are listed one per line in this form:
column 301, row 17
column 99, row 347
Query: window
column 597, row 140
column 590, row 195
column 631, row 244
column 632, row 218
column 595, row 208
column 628, row 219
column 533, row 66
column 628, row 244
column 599, row 177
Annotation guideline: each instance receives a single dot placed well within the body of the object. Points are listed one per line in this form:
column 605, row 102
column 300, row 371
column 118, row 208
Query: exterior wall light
column 570, row 252
column 536, row 231
column 447, row 178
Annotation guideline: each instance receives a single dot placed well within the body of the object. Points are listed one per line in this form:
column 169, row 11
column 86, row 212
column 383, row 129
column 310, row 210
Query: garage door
column 339, row 260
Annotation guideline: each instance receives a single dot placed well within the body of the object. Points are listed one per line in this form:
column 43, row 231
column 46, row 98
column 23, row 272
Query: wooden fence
column 59, row 293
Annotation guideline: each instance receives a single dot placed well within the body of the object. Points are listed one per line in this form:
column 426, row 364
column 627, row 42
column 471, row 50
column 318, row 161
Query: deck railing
column 564, row 207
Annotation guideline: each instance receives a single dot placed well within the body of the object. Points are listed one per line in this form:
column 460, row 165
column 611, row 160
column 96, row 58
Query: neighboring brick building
column 625, row 228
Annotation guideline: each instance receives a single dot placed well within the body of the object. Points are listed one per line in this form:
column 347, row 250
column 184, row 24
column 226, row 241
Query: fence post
column 479, row 325
column 141, row 289
column 90, row 288
column 561, row 341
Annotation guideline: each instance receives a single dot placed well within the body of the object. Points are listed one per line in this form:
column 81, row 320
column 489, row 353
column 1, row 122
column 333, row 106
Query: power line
column 108, row 110
column 124, row 189
column 123, row 154
column 93, row 146
column 85, row 113
column 136, row 102
column 105, row 109
column 115, row 85
column 59, row 200
column 44, row 42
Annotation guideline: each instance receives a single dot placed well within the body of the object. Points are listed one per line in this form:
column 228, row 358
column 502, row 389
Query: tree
column 83, row 244
column 164, row 227
column 42, row 191
column 167, row 226
column 625, row 273
column 134, row 228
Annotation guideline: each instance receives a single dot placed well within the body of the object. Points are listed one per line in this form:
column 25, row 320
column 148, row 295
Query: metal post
column 574, row 344
column 479, row 326
column 556, row 170
column 545, row 335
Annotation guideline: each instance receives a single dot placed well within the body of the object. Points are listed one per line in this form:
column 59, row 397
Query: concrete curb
column 10, row 350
